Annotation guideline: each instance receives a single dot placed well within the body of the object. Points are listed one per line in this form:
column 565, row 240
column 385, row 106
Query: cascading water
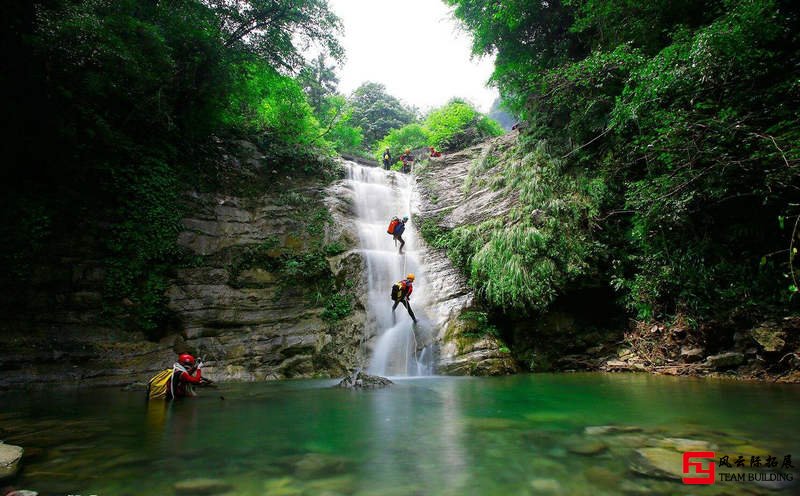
column 401, row 348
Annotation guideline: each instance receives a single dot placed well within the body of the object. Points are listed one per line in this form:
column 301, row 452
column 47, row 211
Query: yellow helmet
column 410, row 277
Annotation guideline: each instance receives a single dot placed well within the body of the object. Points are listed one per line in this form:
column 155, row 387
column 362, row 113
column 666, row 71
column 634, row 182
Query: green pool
column 515, row 435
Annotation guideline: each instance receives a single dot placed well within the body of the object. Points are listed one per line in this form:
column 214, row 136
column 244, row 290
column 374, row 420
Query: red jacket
column 408, row 288
column 181, row 380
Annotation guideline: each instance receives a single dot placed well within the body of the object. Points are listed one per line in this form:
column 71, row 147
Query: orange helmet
column 410, row 277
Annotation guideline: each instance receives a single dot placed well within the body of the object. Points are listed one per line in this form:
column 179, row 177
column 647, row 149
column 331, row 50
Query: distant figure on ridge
column 401, row 292
column 387, row 159
column 408, row 160
column 434, row 153
column 396, row 228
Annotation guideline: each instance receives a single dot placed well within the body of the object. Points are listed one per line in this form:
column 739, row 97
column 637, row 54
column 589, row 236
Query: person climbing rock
column 177, row 382
column 434, row 153
column 396, row 228
column 401, row 292
column 408, row 161
column 387, row 159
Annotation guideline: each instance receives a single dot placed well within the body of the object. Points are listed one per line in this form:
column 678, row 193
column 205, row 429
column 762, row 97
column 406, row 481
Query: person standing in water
column 186, row 373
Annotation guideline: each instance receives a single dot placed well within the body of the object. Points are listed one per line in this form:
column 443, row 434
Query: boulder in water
column 10, row 456
column 658, row 463
column 361, row 380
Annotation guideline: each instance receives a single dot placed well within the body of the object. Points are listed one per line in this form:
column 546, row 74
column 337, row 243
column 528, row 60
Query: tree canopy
column 377, row 112
column 674, row 126
column 450, row 127
column 116, row 106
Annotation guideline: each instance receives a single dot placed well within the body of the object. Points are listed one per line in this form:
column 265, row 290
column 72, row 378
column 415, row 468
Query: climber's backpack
column 159, row 384
column 392, row 225
column 397, row 290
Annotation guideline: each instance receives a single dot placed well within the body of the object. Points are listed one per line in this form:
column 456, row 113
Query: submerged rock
column 587, row 447
column 10, row 456
column 319, row 465
column 682, row 444
column 546, row 486
column 493, row 423
column 361, row 380
column 658, row 462
column 344, row 484
column 285, row 486
column 194, row 487
column 600, row 430
column 601, row 477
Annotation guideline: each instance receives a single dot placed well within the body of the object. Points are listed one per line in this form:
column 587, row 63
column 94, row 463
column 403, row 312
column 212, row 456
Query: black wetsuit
column 398, row 234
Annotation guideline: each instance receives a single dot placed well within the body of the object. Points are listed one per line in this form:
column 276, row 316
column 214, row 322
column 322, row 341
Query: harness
column 177, row 368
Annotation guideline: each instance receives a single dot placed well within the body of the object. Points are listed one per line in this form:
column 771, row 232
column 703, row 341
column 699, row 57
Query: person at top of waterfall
column 408, row 160
column 396, row 228
column 387, row 159
column 401, row 292
column 186, row 373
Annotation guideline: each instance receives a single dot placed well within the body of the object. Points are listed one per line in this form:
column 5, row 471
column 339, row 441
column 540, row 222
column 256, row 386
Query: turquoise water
column 439, row 435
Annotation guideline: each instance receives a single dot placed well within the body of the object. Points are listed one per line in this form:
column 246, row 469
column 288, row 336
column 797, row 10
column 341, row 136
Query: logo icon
column 700, row 475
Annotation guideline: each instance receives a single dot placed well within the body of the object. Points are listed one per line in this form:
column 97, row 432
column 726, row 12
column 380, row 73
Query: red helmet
column 186, row 359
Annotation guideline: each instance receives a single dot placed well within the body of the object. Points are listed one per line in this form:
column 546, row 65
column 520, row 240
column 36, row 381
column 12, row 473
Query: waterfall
column 400, row 348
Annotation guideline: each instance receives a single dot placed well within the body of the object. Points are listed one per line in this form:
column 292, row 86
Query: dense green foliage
column 114, row 107
column 458, row 125
column 376, row 112
column 661, row 154
column 408, row 137
column 332, row 110
column 451, row 127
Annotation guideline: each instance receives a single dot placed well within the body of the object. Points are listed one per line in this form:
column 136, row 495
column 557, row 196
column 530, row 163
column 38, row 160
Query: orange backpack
column 392, row 225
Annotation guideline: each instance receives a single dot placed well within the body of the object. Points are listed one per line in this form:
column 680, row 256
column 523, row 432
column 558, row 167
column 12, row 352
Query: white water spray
column 401, row 348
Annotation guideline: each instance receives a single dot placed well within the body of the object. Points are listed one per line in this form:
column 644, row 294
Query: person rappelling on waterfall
column 396, row 228
column 387, row 159
column 401, row 292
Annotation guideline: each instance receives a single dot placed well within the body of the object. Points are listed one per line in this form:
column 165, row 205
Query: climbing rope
column 410, row 194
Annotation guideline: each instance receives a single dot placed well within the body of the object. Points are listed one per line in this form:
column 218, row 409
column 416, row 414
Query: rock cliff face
column 253, row 323
column 236, row 305
column 440, row 195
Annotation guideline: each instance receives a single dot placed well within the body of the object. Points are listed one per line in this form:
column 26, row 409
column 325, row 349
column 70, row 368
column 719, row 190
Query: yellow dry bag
column 159, row 384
